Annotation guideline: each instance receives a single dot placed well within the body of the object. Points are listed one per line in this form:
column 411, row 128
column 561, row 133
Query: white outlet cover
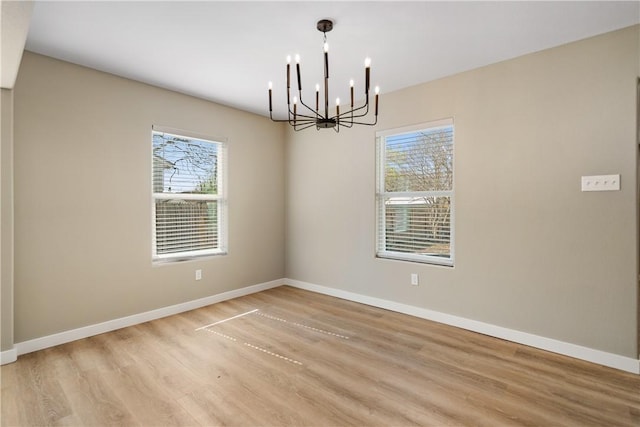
column 601, row 183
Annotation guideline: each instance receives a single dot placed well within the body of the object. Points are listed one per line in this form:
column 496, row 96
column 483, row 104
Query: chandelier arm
column 350, row 112
column 365, row 113
column 357, row 116
column 293, row 115
column 316, row 114
column 289, row 120
column 367, row 124
column 298, row 128
column 350, row 121
column 304, row 117
column 340, row 117
column 351, row 117
column 278, row 120
column 301, row 118
column 353, row 110
column 302, row 124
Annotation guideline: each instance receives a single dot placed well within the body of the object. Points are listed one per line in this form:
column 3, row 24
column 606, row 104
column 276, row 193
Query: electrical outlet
column 414, row 279
column 198, row 274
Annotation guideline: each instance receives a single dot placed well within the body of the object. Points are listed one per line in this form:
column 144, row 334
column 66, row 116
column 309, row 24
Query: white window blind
column 415, row 193
column 189, row 200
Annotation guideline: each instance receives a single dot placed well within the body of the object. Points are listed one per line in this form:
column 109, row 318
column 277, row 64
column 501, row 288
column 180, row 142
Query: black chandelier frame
column 314, row 117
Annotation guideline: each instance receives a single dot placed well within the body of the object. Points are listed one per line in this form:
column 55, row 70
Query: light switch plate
column 601, row 183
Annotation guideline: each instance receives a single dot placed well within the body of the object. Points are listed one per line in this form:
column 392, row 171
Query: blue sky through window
column 184, row 164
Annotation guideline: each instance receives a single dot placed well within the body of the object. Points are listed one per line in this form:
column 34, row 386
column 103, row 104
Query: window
column 415, row 193
column 189, row 200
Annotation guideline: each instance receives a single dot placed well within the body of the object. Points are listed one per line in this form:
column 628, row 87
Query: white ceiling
column 226, row 52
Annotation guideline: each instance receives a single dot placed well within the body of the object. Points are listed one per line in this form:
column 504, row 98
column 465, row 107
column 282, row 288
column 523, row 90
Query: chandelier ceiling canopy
column 302, row 116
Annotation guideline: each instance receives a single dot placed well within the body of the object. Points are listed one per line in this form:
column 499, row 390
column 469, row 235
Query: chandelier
column 303, row 116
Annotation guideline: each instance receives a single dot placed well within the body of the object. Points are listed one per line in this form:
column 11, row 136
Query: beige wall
column 6, row 219
column 83, row 203
column 533, row 252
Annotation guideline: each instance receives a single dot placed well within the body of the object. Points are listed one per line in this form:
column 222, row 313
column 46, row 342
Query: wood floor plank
column 94, row 402
column 43, row 401
column 288, row 357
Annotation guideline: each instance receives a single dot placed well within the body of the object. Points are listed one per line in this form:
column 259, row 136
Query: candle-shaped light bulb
column 326, row 60
column 317, row 87
column 270, row 85
column 288, row 75
column 377, row 91
column 337, row 101
column 351, row 91
column 298, row 72
column 367, row 70
column 295, row 108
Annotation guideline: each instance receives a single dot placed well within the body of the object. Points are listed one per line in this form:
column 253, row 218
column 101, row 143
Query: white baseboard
column 111, row 325
column 579, row 352
column 572, row 350
column 8, row 356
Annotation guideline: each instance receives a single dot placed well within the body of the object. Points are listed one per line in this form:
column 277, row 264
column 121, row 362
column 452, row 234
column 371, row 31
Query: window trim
column 381, row 195
column 221, row 198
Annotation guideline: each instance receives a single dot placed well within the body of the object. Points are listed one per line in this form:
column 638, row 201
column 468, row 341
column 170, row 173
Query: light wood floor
column 308, row 359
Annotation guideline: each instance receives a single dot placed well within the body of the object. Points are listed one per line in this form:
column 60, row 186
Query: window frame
column 220, row 198
column 381, row 195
